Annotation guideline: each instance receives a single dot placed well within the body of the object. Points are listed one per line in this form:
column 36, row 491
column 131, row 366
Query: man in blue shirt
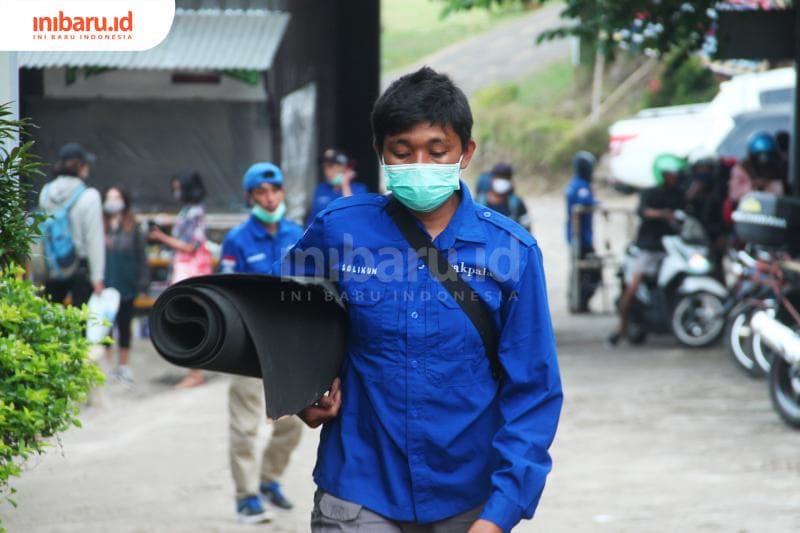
column 339, row 175
column 579, row 194
column 417, row 431
column 256, row 246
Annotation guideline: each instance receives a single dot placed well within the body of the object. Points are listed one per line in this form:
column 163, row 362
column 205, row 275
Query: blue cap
column 260, row 173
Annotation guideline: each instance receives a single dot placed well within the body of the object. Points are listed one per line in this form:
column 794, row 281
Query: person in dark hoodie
column 69, row 189
column 579, row 194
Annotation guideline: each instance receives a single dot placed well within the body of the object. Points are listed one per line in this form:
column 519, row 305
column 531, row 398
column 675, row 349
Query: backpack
column 59, row 249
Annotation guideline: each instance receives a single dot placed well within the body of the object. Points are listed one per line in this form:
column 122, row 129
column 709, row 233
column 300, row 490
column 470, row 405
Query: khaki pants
column 334, row 515
column 247, row 413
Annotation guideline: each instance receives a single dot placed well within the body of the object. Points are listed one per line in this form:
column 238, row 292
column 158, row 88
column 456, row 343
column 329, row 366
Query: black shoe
column 613, row 340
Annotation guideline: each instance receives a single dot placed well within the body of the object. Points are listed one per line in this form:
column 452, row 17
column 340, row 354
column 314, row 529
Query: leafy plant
column 18, row 166
column 44, row 369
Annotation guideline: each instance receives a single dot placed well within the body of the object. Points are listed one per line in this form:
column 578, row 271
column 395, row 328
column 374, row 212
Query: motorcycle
column 683, row 298
column 755, row 289
column 782, row 335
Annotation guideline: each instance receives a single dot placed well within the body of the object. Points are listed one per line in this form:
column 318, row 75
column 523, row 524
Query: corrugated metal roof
column 206, row 39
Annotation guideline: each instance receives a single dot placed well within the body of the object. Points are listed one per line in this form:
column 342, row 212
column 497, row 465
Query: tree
column 653, row 27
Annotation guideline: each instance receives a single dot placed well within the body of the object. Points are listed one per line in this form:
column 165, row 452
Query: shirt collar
column 464, row 226
column 260, row 232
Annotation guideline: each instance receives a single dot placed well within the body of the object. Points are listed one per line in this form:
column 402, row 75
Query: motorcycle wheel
column 784, row 390
column 697, row 319
column 762, row 354
column 636, row 334
column 739, row 339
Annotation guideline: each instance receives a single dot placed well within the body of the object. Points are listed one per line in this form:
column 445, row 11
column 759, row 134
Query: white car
column 635, row 142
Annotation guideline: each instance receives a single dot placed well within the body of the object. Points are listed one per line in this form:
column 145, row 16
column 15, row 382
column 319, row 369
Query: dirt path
column 505, row 53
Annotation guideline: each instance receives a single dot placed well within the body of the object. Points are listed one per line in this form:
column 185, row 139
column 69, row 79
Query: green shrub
column 18, row 166
column 44, row 369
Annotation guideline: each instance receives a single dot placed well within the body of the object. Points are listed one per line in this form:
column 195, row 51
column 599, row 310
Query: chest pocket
column 373, row 316
column 459, row 358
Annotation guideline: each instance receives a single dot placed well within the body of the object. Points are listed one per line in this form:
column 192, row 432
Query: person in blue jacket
column 339, row 175
column 254, row 247
column 579, row 194
column 417, row 430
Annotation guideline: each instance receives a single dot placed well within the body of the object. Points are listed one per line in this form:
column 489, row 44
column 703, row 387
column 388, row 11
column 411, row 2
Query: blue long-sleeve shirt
column 579, row 192
column 325, row 193
column 425, row 432
column 250, row 248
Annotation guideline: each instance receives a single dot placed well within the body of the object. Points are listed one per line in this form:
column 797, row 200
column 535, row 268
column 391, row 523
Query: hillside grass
column 413, row 29
column 536, row 123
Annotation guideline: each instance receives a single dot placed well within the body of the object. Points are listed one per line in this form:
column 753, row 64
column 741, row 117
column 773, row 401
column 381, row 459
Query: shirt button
column 414, row 363
column 414, row 314
column 421, row 265
column 414, row 414
column 487, row 214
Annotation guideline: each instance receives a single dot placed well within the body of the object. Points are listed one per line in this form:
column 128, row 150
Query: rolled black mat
column 288, row 331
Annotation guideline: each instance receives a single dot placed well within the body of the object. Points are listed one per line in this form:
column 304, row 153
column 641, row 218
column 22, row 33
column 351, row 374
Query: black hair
column 192, row 189
column 67, row 167
column 424, row 96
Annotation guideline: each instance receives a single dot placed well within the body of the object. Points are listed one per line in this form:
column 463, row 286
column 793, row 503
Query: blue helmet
column 260, row 173
column 762, row 148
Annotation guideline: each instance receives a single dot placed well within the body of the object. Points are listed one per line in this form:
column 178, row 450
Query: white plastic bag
column 102, row 313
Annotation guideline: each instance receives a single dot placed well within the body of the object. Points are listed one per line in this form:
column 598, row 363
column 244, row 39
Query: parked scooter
column 755, row 290
column 784, row 379
column 767, row 220
column 684, row 298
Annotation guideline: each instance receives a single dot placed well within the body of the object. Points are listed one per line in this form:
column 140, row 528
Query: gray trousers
column 332, row 514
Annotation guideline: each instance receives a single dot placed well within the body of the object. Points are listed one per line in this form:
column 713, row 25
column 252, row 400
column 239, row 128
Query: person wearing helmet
column 704, row 201
column 760, row 171
column 578, row 193
column 254, row 247
column 657, row 213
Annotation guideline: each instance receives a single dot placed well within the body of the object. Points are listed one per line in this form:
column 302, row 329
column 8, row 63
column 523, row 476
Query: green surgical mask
column 423, row 186
column 269, row 217
column 337, row 179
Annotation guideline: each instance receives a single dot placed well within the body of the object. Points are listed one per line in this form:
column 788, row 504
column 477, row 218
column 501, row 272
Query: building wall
column 147, row 84
column 140, row 144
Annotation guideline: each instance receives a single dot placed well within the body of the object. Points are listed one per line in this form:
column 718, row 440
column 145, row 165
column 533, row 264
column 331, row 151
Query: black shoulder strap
column 470, row 302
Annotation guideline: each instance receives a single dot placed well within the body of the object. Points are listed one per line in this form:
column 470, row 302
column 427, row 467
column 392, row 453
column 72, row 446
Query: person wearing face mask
column 339, row 176
column 126, row 270
column 501, row 197
column 255, row 246
column 449, row 394
column 578, row 193
column 68, row 190
column 190, row 256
